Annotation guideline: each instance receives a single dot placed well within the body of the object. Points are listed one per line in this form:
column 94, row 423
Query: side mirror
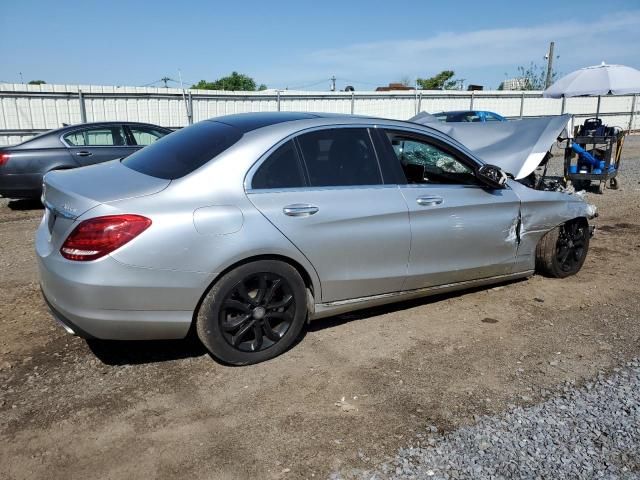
column 492, row 176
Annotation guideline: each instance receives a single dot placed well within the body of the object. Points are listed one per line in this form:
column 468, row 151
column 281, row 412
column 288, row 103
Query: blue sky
column 301, row 44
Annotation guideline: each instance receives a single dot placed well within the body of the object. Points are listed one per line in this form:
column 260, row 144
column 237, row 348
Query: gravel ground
column 581, row 433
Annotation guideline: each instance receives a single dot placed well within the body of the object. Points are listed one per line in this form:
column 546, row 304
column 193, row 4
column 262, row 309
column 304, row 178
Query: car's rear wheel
column 253, row 313
column 563, row 250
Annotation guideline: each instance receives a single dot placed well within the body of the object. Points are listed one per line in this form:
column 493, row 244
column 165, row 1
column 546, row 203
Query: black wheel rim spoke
column 272, row 290
column 235, row 339
column 286, row 301
column 570, row 249
column 269, row 332
column 244, row 294
column 257, row 312
column 231, row 324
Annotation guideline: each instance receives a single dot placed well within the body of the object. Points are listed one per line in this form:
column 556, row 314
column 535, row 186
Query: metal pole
column 83, row 110
column 352, row 101
column 549, row 66
column 278, row 99
column 521, row 104
column 633, row 112
column 420, row 103
column 473, row 92
column 190, row 109
column 598, row 107
column 564, row 105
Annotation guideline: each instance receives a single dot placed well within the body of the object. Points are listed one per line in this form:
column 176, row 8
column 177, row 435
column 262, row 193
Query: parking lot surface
column 343, row 401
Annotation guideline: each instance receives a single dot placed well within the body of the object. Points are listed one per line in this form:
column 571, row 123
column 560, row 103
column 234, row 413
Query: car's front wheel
column 253, row 313
column 563, row 250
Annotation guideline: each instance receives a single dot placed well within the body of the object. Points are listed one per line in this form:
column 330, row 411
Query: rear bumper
column 21, row 185
column 108, row 300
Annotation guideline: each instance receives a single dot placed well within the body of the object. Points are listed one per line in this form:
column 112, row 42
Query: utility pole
column 333, row 83
column 547, row 83
column 165, row 80
column 21, row 79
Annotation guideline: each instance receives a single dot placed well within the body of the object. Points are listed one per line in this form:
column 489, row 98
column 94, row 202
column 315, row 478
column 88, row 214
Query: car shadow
column 25, row 204
column 116, row 352
column 331, row 322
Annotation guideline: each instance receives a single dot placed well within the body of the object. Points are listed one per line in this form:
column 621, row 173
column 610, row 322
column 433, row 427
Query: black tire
column 563, row 250
column 253, row 313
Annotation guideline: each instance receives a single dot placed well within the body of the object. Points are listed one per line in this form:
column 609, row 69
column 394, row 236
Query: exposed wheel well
column 306, row 278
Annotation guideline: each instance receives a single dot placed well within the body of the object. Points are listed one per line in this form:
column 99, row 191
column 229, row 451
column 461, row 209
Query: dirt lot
column 347, row 396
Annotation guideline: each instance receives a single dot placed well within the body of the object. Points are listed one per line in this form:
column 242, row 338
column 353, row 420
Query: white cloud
column 612, row 38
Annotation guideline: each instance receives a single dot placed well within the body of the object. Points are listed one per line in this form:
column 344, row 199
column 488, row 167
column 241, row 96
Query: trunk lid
column 70, row 193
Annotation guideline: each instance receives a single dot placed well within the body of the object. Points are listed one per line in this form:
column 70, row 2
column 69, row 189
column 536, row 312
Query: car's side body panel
column 470, row 234
column 358, row 241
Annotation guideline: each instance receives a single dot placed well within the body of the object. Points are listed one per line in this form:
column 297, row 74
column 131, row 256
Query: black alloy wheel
column 562, row 251
column 257, row 312
column 253, row 313
column 571, row 246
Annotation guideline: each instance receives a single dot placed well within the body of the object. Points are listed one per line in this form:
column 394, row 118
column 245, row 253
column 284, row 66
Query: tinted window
column 424, row 162
column 97, row 137
column 280, row 170
column 340, row 156
column 492, row 117
column 182, row 152
column 145, row 135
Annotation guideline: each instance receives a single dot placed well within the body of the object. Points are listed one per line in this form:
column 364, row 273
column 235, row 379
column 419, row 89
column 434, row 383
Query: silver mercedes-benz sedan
column 245, row 227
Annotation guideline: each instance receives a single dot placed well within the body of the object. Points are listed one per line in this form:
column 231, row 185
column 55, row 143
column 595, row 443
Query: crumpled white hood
column 516, row 146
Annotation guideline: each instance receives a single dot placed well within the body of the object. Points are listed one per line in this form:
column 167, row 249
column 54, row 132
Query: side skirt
column 323, row 310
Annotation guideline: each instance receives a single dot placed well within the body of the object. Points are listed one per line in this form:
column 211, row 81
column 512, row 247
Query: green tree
column 36, row 82
column 234, row 82
column 262, row 87
column 442, row 81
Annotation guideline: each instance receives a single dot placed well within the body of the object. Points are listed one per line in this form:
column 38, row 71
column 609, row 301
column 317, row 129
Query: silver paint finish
column 358, row 246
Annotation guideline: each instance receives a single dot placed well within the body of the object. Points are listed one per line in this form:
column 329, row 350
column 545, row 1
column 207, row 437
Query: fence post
column 521, row 104
column 473, row 92
column 598, row 108
column 83, row 109
column 278, row 99
column 633, row 112
column 419, row 103
column 352, row 102
column 190, row 109
column 564, row 105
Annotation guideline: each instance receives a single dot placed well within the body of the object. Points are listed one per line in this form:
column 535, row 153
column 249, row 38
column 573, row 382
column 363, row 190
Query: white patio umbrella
column 597, row 80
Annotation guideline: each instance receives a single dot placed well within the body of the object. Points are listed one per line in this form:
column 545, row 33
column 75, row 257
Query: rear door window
column 281, row 170
column 340, row 157
column 182, row 152
column 145, row 135
column 97, row 137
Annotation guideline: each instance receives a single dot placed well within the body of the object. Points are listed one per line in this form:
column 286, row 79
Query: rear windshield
column 182, row 152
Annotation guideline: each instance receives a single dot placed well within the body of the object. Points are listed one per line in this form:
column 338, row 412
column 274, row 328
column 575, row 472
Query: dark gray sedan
column 23, row 166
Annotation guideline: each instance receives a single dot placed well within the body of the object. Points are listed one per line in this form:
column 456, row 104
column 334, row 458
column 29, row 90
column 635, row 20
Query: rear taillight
column 97, row 237
column 4, row 158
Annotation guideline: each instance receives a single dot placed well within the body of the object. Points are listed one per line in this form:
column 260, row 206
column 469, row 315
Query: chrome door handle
column 84, row 153
column 429, row 201
column 300, row 210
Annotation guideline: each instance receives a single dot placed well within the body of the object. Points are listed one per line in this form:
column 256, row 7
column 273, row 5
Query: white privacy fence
column 30, row 109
